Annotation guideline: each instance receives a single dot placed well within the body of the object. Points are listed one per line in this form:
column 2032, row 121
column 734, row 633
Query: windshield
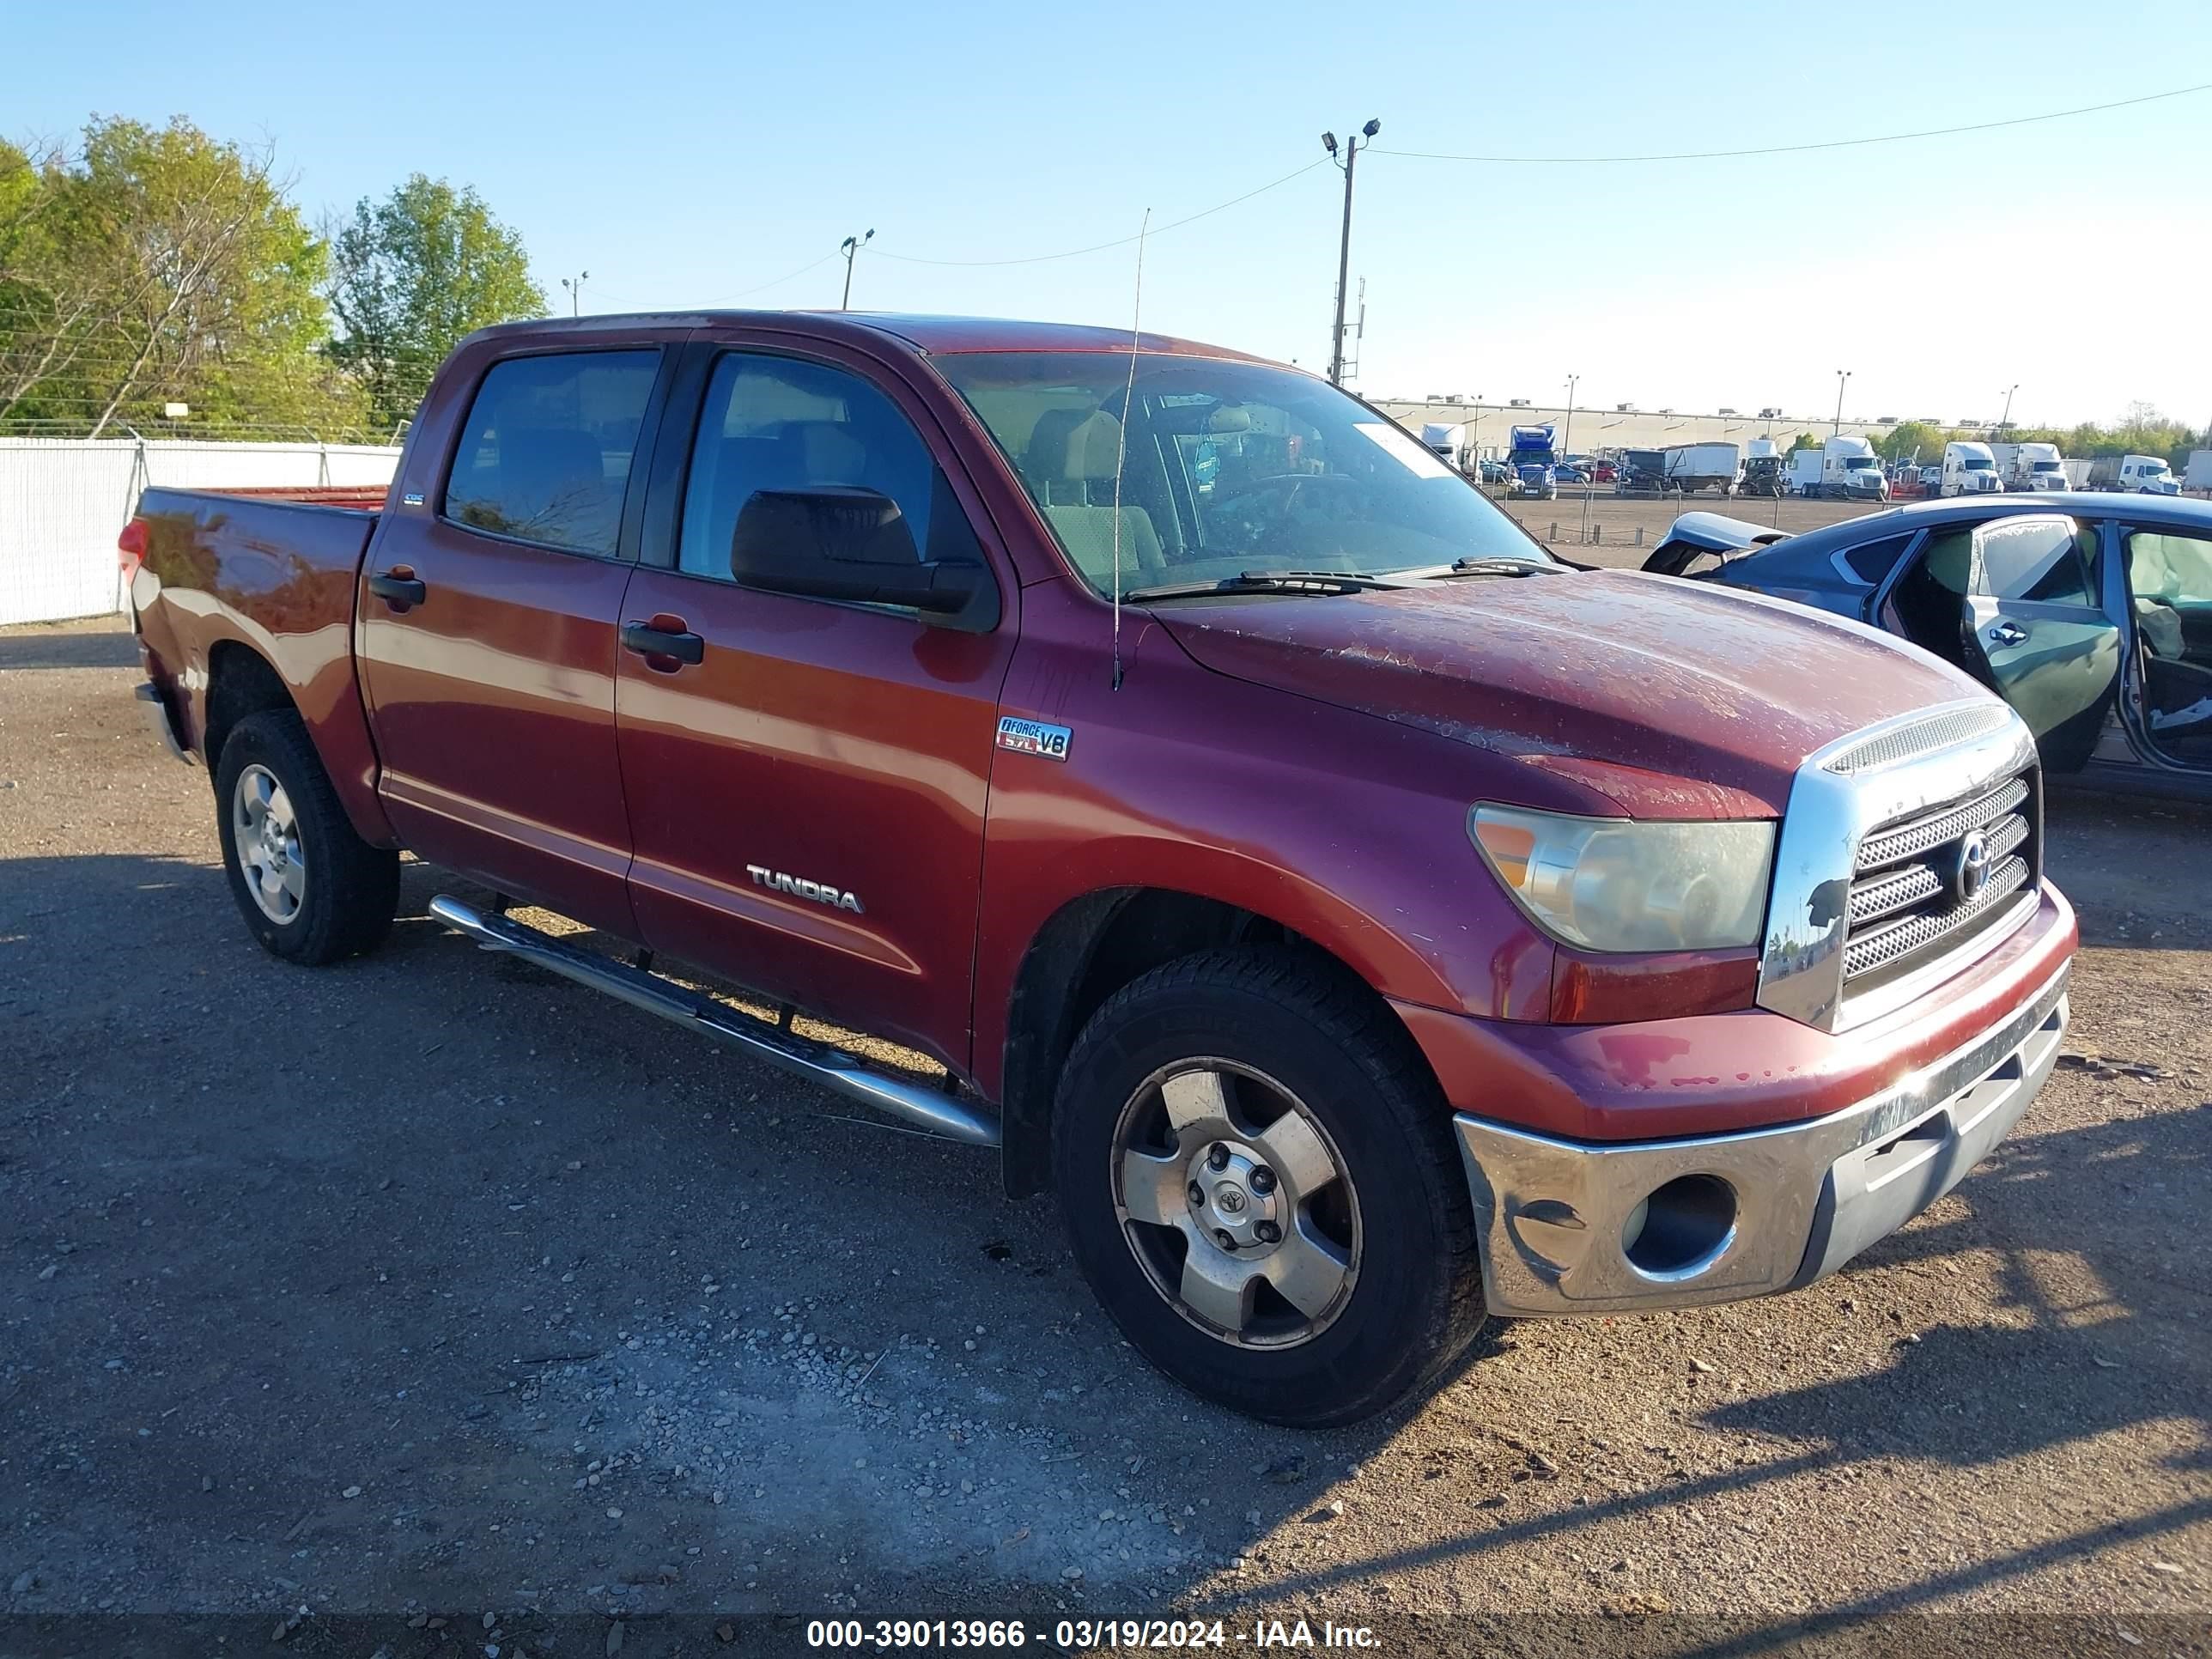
column 2152, row 469
column 1975, row 463
column 1858, row 460
column 1229, row 467
column 2043, row 466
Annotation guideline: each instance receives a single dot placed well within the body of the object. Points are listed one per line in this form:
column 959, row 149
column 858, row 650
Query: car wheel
column 310, row 889
column 1259, row 1180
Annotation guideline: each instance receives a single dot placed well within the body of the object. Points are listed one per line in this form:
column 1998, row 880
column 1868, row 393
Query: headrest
column 1074, row 445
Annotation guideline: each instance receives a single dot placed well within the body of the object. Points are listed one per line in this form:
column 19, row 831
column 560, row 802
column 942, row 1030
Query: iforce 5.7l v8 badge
column 1034, row 737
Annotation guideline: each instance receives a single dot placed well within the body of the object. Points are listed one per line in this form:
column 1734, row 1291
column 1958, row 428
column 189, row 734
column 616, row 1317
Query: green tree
column 1804, row 440
column 1903, row 441
column 412, row 276
column 158, row 266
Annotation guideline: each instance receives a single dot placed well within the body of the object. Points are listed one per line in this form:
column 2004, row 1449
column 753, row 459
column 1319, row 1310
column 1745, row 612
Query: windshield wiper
column 1269, row 581
column 1505, row 564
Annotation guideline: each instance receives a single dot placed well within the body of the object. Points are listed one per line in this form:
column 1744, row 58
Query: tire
column 1305, row 1066
column 319, row 892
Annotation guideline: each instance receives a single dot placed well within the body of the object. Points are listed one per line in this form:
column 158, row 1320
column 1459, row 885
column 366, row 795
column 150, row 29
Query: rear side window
column 545, row 453
column 1872, row 561
column 2039, row 560
column 776, row 424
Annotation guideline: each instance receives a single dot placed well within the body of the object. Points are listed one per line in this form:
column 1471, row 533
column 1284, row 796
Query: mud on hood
column 1671, row 699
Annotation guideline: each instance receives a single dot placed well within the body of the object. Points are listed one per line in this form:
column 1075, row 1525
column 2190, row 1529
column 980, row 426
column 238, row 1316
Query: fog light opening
column 1680, row 1228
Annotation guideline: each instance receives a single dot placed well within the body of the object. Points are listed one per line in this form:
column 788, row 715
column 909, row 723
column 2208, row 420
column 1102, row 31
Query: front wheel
column 311, row 890
column 1259, row 1180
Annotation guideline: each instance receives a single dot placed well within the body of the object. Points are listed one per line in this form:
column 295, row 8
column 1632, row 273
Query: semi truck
column 1970, row 468
column 1851, row 470
column 1764, row 471
column 785, row 651
column 2145, row 475
column 1534, row 458
column 1447, row 441
column 2030, row 467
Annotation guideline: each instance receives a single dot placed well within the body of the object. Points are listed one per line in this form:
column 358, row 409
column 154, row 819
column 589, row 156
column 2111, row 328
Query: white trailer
column 1699, row 466
column 1805, row 469
column 1447, row 441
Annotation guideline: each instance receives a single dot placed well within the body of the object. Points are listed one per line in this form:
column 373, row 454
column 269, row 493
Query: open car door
column 2036, row 631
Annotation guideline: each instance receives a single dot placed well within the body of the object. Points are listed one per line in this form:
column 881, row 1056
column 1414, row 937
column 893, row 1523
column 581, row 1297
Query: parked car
column 1601, row 472
column 1567, row 473
column 2092, row 615
column 1381, row 922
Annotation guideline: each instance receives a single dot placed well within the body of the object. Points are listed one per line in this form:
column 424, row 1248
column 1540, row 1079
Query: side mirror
column 845, row 543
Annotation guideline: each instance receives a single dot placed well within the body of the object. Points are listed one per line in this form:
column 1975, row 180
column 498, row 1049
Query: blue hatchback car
column 2091, row 614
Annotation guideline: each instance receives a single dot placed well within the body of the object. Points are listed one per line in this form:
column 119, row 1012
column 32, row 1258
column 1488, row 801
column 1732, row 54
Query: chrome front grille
column 1908, row 901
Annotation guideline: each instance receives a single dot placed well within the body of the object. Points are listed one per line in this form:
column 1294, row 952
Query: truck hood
column 1666, row 699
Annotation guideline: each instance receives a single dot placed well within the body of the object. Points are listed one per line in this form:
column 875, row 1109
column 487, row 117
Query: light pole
column 575, row 287
column 1346, row 161
column 1567, row 443
column 1842, row 375
column 849, row 247
column 2005, row 425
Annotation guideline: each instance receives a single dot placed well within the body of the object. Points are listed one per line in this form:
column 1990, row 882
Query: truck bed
column 274, row 571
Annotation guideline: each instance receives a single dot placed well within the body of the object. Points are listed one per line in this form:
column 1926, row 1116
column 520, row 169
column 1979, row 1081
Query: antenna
column 1121, row 444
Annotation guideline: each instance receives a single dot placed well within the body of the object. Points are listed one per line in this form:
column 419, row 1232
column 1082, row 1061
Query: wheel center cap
column 1234, row 1198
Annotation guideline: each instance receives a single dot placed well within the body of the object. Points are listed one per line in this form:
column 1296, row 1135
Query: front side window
column 2176, row 570
column 777, row 423
column 545, row 453
column 1205, row 468
column 2042, row 561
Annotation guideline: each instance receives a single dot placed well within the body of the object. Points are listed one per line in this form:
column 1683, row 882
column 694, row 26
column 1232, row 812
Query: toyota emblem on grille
column 1972, row 873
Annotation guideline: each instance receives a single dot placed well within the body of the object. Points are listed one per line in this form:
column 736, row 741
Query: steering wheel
column 1270, row 506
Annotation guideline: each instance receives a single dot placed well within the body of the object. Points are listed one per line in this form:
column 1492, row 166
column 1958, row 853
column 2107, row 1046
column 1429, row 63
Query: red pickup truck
column 1362, row 921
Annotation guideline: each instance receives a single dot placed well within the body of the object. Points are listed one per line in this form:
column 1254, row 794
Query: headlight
column 1617, row 884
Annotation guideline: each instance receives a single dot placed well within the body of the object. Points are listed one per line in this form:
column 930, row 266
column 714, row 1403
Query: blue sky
column 685, row 153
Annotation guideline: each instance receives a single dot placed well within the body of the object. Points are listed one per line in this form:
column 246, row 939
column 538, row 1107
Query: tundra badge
column 1034, row 737
column 820, row 892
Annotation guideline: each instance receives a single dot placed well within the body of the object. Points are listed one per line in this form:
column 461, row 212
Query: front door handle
column 665, row 643
column 2008, row 634
column 399, row 586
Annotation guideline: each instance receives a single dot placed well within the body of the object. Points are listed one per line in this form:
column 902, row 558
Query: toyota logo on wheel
column 1972, row 873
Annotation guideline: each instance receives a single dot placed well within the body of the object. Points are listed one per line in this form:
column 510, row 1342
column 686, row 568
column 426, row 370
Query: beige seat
column 1070, row 467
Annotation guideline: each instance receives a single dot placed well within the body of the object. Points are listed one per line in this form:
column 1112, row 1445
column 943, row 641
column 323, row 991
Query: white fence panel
column 62, row 500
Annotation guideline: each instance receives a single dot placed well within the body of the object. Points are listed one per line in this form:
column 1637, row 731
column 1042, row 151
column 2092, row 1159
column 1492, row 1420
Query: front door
column 487, row 632
column 806, row 781
column 2035, row 631
column 2169, row 596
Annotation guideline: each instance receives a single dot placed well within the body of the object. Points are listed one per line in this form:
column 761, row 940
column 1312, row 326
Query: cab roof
column 929, row 335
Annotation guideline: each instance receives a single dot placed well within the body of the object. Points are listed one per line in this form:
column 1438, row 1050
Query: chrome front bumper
column 1568, row 1228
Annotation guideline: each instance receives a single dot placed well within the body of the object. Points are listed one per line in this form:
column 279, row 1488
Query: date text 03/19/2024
column 890, row 1635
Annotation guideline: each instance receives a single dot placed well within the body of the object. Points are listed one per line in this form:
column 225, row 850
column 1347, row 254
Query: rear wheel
column 310, row 889
column 1259, row 1181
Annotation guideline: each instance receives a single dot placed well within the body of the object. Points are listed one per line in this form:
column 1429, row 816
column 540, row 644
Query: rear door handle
column 664, row 642
column 399, row 586
column 2008, row 634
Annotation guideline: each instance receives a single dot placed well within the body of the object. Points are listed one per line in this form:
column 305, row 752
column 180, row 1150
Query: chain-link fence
column 62, row 500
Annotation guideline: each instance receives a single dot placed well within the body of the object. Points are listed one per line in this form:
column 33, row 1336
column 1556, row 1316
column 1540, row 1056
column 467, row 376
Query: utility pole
column 1567, row 442
column 575, row 287
column 849, row 247
column 1346, row 162
column 2005, row 425
column 1842, row 375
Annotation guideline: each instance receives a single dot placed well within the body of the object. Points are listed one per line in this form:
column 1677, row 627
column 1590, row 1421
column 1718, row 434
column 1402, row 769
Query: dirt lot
column 1596, row 526
column 430, row 1286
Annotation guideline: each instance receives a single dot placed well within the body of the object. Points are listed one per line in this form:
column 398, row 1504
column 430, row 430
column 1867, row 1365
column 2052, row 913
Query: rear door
column 487, row 637
column 2036, row 631
column 806, row 791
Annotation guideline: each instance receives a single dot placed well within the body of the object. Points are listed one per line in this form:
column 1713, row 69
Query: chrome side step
column 934, row 1109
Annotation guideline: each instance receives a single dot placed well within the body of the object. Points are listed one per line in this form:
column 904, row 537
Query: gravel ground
column 433, row 1285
